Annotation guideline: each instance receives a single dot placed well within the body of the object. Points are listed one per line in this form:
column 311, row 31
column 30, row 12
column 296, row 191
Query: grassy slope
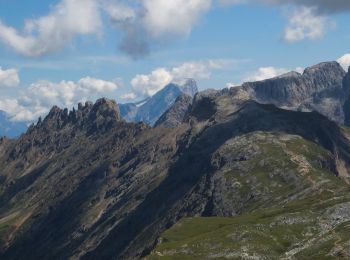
column 310, row 225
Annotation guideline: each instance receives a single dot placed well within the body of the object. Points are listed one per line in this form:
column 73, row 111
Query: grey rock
column 319, row 88
column 176, row 114
column 151, row 109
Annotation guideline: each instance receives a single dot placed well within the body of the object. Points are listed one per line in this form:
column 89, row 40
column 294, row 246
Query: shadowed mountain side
column 187, row 189
column 86, row 184
column 176, row 114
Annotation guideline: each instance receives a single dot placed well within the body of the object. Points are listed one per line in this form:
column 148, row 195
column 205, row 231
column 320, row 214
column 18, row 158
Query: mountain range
column 319, row 88
column 259, row 171
column 148, row 110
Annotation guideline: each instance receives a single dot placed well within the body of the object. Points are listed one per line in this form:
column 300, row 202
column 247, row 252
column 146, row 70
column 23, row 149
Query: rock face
column 292, row 89
column 129, row 110
column 151, row 109
column 176, row 114
column 9, row 128
column 87, row 185
column 319, row 88
column 346, row 107
column 324, row 88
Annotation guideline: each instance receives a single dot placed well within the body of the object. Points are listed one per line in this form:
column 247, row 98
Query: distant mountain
column 9, row 128
column 324, row 88
column 151, row 109
column 129, row 110
column 320, row 88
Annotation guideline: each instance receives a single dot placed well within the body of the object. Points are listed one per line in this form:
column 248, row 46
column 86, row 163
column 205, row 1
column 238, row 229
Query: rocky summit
column 320, row 88
column 222, row 175
column 152, row 108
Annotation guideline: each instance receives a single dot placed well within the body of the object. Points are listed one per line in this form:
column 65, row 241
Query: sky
column 61, row 52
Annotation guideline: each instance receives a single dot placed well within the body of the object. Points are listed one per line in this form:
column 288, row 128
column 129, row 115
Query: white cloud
column 18, row 112
column 118, row 12
column 97, row 85
column 53, row 32
column 233, row 2
column 304, row 23
column 149, row 24
column 42, row 95
column 344, row 61
column 147, row 85
column 232, row 85
column 174, row 17
column 265, row 73
column 9, row 78
column 322, row 6
column 145, row 23
column 154, row 23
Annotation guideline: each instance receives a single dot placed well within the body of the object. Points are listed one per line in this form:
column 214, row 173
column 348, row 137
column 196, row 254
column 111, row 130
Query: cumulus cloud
column 233, row 2
column 309, row 21
column 145, row 23
column 119, row 12
column 304, row 23
column 18, row 112
column 344, row 61
column 155, row 22
column 232, row 85
column 149, row 24
column 175, row 17
column 148, row 85
column 145, row 85
column 54, row 31
column 39, row 97
column 9, row 78
column 322, row 6
column 265, row 73
column 97, row 85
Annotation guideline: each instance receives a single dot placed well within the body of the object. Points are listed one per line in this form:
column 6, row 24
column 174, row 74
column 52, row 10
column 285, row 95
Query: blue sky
column 70, row 50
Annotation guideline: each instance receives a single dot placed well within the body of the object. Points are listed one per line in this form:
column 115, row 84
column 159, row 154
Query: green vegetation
column 306, row 220
column 299, row 229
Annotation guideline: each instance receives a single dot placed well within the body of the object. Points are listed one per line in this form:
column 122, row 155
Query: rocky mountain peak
column 325, row 67
column 346, row 83
column 293, row 90
column 151, row 109
column 106, row 108
column 189, row 87
column 291, row 74
column 61, row 127
column 87, row 116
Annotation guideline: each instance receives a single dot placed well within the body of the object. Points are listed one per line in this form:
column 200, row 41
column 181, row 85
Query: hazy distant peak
column 330, row 66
